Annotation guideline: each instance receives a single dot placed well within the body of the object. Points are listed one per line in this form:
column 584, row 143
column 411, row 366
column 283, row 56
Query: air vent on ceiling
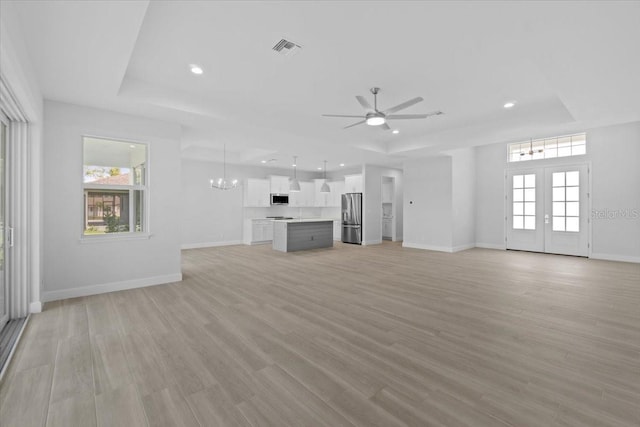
column 286, row 47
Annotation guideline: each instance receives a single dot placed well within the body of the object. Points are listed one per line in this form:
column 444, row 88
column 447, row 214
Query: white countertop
column 305, row 220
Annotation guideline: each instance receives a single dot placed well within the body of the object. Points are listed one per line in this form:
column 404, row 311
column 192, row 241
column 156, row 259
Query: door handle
column 546, row 218
column 10, row 236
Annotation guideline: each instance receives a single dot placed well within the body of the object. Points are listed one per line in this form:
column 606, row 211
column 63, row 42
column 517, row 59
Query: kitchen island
column 300, row 234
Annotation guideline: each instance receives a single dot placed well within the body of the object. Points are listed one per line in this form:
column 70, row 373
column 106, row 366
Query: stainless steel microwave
column 279, row 199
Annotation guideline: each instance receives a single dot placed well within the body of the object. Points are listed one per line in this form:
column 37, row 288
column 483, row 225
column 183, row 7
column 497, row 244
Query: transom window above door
column 548, row 148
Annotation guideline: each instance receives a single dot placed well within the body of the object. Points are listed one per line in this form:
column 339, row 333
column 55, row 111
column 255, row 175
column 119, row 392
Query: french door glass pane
column 558, row 208
column 518, row 208
column 530, row 208
column 573, row 224
column 518, row 181
column 558, row 223
column 573, row 194
column 573, row 209
column 518, row 222
column 529, row 222
column 518, row 195
column 573, row 179
column 558, row 194
column 530, row 181
column 558, row 179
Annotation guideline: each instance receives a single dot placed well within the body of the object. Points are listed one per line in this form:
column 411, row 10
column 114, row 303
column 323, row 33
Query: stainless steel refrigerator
column 352, row 218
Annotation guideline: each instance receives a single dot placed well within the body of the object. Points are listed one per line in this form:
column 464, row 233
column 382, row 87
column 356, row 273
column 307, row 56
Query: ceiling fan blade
column 384, row 126
column 341, row 115
column 404, row 105
column 355, row 124
column 365, row 104
column 413, row 116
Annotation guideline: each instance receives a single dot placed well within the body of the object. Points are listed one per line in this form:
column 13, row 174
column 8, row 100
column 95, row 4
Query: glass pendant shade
column 294, row 184
column 325, row 187
column 222, row 183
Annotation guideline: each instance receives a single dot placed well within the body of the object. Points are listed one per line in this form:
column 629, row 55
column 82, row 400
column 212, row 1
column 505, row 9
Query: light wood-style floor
column 366, row 336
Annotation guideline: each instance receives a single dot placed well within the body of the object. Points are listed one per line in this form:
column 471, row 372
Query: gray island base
column 301, row 234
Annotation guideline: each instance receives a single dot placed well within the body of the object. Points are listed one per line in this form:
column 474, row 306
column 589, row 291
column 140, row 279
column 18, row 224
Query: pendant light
column 221, row 183
column 294, row 185
column 325, row 187
column 540, row 150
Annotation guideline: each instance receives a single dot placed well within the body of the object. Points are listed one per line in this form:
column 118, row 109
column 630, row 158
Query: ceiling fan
column 375, row 117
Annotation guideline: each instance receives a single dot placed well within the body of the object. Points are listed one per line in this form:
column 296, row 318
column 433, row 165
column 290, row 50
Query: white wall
column 489, row 188
column 372, row 201
column 463, row 198
column 73, row 267
column 615, row 177
column 614, row 154
column 428, row 203
column 212, row 217
column 18, row 73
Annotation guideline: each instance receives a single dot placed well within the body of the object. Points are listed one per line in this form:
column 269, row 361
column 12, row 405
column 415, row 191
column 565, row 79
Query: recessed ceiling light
column 196, row 69
column 294, row 165
column 342, row 164
column 395, row 131
column 263, row 161
column 510, row 104
column 132, row 146
column 319, row 169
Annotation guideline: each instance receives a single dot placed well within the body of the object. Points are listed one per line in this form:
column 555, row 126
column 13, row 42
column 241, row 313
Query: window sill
column 101, row 238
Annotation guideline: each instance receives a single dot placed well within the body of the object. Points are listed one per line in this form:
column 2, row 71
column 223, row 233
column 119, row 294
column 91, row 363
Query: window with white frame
column 114, row 186
column 548, row 148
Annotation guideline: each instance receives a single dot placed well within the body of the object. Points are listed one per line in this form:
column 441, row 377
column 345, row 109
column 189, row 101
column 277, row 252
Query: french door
column 547, row 210
column 4, row 288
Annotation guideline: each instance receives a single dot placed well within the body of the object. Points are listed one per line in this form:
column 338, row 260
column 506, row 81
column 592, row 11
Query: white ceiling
column 569, row 65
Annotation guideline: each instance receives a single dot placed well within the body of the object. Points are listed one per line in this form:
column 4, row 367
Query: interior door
column 4, row 289
column 547, row 210
column 566, row 210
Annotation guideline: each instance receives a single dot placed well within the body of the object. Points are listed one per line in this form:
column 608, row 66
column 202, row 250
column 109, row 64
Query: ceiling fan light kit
column 375, row 117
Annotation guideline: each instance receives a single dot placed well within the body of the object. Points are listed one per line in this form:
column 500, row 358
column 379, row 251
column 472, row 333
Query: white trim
column 110, row 287
column 5, row 368
column 372, row 242
column 463, row 247
column 35, row 307
column 613, row 257
column 210, row 244
column 491, row 246
column 406, row 244
column 114, row 237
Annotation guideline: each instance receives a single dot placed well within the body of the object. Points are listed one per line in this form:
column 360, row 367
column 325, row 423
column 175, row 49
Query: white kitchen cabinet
column 279, row 184
column 337, row 190
column 258, row 231
column 256, row 193
column 305, row 197
column 353, row 183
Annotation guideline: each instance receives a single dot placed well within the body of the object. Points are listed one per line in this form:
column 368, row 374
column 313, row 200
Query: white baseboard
column 35, row 307
column 490, row 246
column 463, row 247
column 103, row 288
column 371, row 242
column 210, row 244
column 612, row 257
column 412, row 245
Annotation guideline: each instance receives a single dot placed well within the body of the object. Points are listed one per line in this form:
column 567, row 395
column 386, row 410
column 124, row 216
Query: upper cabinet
column 353, row 183
column 330, row 199
column 257, row 193
column 303, row 198
column 279, row 184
